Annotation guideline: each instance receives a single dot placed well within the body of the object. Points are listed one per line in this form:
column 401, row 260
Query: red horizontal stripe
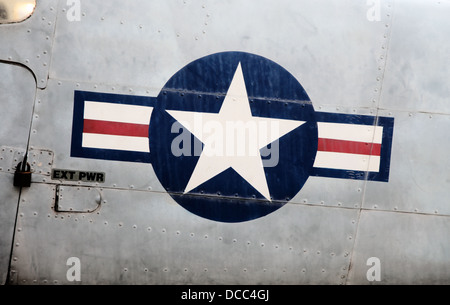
column 349, row 147
column 115, row 128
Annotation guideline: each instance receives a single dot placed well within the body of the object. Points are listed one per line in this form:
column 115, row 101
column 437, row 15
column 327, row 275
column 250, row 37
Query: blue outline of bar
column 386, row 146
column 77, row 150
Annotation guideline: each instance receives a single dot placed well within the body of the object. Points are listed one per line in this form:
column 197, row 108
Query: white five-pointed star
column 233, row 116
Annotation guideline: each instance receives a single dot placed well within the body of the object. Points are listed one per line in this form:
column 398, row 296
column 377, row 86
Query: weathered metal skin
column 379, row 60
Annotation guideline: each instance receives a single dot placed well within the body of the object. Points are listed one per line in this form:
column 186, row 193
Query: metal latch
column 22, row 176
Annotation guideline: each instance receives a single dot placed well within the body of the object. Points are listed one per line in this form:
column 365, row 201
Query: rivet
column 125, row 269
column 134, row 226
column 234, row 240
column 262, row 245
column 163, row 230
column 145, row 270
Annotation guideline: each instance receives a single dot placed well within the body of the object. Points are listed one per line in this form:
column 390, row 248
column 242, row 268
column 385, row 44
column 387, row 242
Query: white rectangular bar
column 101, row 141
column 365, row 163
column 117, row 112
column 350, row 132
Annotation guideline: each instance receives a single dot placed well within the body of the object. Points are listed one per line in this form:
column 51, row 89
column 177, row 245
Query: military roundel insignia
column 232, row 136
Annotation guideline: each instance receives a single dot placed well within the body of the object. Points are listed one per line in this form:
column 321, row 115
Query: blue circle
column 273, row 92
